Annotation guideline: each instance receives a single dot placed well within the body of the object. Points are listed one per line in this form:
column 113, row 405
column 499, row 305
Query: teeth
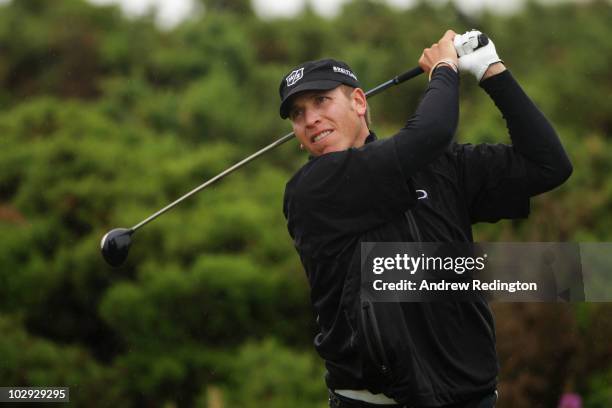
column 321, row 135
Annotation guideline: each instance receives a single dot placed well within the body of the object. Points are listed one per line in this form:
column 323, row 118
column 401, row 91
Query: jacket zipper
column 375, row 346
column 413, row 227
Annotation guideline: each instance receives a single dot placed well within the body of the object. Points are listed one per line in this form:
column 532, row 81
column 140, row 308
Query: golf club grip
column 395, row 81
column 408, row 75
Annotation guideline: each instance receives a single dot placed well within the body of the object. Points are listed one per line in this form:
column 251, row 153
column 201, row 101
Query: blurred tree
column 240, row 7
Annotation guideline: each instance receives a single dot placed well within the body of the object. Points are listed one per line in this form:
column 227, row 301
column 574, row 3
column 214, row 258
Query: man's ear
column 359, row 101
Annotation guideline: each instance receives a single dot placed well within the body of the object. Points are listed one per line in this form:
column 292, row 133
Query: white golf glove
column 474, row 61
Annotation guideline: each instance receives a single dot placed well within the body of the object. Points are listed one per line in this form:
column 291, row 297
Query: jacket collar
column 371, row 137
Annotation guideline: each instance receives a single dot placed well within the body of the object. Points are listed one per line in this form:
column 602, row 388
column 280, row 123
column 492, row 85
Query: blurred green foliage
column 104, row 120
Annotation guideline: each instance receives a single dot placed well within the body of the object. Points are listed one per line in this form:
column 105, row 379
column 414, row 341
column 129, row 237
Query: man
column 358, row 189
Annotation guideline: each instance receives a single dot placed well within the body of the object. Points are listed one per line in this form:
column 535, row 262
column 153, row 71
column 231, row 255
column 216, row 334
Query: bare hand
column 443, row 49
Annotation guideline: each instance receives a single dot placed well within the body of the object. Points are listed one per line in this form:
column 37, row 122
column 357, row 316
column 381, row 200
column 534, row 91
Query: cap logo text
column 345, row 72
column 295, row 76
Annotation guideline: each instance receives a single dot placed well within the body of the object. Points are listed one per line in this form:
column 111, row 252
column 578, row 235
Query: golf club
column 115, row 244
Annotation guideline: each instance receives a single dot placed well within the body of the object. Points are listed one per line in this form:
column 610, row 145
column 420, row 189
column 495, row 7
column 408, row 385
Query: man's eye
column 320, row 99
column 296, row 113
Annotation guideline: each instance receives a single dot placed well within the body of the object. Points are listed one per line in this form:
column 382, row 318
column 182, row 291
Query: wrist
column 493, row 69
column 444, row 62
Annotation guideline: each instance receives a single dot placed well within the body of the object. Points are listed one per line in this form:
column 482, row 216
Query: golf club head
column 115, row 246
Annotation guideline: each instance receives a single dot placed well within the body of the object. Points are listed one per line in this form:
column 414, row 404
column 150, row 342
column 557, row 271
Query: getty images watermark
column 509, row 272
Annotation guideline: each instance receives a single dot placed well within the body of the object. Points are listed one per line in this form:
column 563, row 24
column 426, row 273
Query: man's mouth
column 320, row 136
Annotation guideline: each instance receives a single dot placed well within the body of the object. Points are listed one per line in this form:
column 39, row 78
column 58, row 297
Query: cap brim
column 322, row 85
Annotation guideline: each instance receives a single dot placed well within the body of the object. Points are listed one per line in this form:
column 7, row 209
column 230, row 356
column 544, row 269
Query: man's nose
column 312, row 117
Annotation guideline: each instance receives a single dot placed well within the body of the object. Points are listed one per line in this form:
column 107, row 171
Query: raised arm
column 533, row 136
column 429, row 131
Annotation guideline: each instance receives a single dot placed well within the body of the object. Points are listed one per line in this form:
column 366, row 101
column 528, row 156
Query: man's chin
column 332, row 149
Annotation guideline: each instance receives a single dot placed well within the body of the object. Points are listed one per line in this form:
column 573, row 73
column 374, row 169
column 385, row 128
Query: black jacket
column 425, row 354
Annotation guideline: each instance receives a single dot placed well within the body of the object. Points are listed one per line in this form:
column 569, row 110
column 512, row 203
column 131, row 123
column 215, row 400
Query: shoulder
column 313, row 179
column 314, row 171
column 460, row 158
column 449, row 159
column 482, row 152
column 351, row 165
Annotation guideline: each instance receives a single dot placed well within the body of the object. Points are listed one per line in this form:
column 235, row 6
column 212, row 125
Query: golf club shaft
column 212, row 180
column 392, row 82
column 395, row 81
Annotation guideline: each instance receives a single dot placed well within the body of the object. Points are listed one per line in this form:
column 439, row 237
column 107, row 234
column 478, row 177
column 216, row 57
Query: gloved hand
column 474, row 61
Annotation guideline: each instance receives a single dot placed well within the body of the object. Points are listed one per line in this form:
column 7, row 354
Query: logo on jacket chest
column 422, row 194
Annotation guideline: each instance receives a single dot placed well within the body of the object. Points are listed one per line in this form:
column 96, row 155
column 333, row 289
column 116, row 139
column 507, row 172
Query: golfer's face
column 326, row 121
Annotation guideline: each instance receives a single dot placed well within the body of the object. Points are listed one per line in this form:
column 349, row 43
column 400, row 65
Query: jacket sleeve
column 533, row 137
column 430, row 130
